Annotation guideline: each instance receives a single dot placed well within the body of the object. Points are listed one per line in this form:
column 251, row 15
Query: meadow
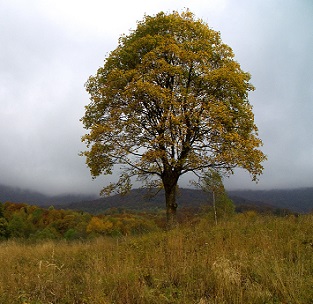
column 248, row 258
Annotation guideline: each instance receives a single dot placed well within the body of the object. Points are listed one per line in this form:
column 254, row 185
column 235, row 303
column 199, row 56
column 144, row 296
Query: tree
column 170, row 99
column 98, row 225
column 212, row 182
column 4, row 231
column 19, row 226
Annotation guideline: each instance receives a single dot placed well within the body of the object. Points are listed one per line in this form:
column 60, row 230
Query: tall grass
column 247, row 259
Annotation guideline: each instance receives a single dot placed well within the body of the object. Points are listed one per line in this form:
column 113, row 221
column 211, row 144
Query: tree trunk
column 169, row 179
column 171, row 206
column 214, row 207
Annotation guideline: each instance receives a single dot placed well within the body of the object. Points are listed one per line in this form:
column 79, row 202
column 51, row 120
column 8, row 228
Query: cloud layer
column 49, row 49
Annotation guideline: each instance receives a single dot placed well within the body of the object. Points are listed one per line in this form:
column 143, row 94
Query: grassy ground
column 247, row 259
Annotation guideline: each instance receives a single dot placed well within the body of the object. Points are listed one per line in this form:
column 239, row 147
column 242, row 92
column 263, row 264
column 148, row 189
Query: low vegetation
column 22, row 221
column 246, row 258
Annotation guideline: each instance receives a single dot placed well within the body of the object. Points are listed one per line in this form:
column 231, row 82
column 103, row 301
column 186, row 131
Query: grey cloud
column 44, row 65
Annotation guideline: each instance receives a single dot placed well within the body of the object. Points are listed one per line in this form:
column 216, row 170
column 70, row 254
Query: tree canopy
column 170, row 99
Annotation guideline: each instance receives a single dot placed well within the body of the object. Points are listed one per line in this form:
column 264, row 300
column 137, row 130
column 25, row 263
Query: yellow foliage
column 170, row 99
column 98, row 225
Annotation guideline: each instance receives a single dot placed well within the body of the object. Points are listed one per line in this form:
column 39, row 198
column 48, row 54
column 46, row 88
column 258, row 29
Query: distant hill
column 139, row 199
column 296, row 200
column 17, row 195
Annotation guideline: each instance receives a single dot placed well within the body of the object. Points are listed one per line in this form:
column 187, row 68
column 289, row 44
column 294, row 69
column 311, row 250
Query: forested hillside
column 296, row 200
column 140, row 199
column 15, row 194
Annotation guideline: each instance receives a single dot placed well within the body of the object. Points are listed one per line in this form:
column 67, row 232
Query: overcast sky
column 48, row 49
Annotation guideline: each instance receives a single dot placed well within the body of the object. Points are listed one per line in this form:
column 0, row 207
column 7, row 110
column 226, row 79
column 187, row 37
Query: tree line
column 23, row 221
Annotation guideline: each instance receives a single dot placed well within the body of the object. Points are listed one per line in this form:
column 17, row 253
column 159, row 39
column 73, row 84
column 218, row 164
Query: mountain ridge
column 296, row 200
column 261, row 201
column 19, row 195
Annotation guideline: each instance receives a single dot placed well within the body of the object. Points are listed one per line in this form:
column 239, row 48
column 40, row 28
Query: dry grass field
column 247, row 259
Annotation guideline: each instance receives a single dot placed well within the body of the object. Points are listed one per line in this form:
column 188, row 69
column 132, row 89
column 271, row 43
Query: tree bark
column 170, row 186
column 214, row 207
column 171, row 206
